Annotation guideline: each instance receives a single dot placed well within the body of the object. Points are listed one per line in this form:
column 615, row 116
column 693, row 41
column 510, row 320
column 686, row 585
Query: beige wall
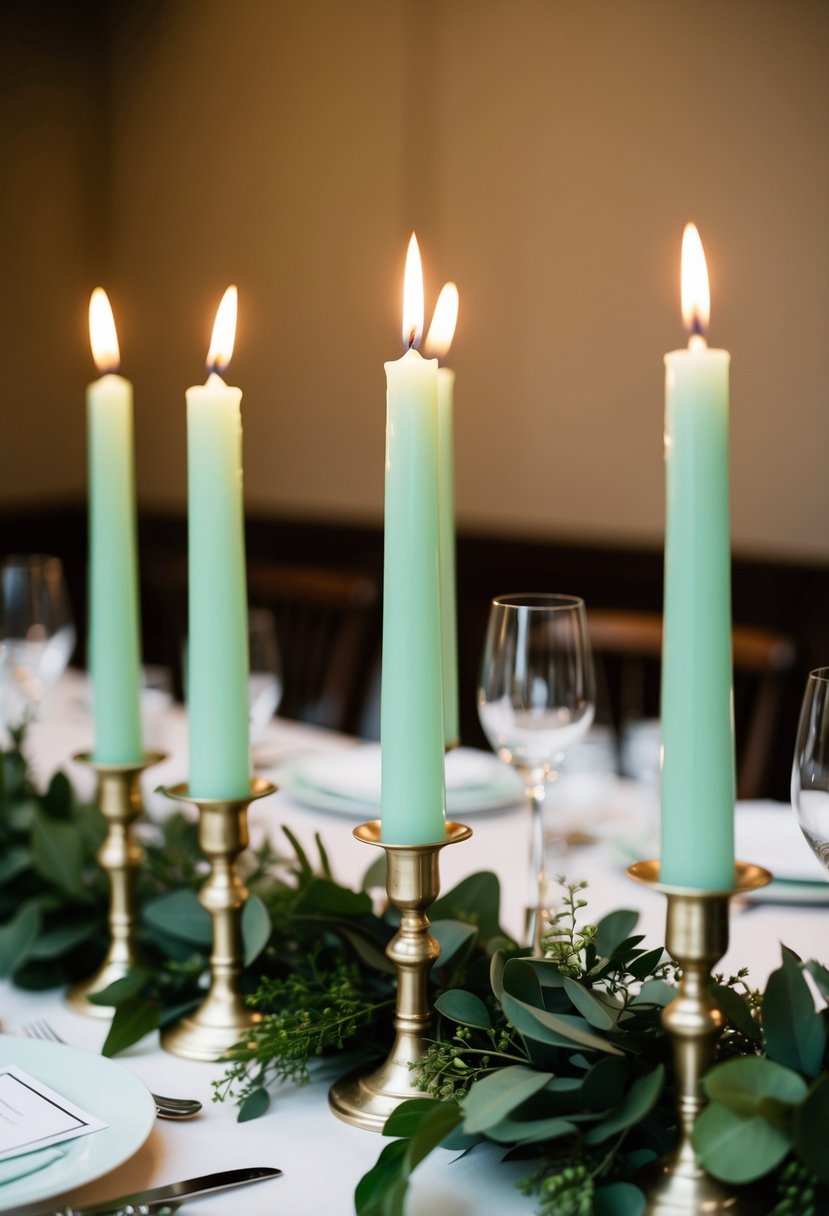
column 548, row 154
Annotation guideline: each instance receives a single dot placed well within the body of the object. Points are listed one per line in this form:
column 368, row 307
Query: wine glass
column 535, row 699
column 36, row 629
column 265, row 675
column 810, row 770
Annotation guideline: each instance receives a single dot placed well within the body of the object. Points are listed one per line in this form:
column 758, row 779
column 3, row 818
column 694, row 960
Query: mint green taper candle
column 114, row 629
column 697, row 703
column 438, row 342
column 411, row 705
column 217, row 655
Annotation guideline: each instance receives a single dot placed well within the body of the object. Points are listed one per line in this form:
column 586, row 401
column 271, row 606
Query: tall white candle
column 438, row 342
column 697, row 710
column 217, row 667
column 114, row 627
column 411, row 709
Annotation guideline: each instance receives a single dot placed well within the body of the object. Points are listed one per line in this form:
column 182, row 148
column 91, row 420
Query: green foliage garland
column 565, row 1061
column 562, row 1061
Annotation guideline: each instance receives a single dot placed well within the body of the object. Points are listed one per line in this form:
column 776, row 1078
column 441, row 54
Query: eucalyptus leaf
column 408, row 1118
column 382, row 1191
column 637, row 1102
column 369, row 950
column 133, row 1018
column 521, row 981
column 496, row 973
column 132, row 984
column 528, row 1131
column 558, row 1030
column 589, row 1006
column 655, row 992
column 464, row 1008
column 498, row 1094
column 749, row 1083
column 795, row 1032
column 456, row 940
column 58, row 855
column 477, row 900
column 61, row 939
column 256, row 928
column 619, row 1199
column 18, row 936
column 254, row 1105
column 14, row 861
column 738, row 1148
column 737, row 1011
column 179, row 914
column 604, row 1083
column 614, row 929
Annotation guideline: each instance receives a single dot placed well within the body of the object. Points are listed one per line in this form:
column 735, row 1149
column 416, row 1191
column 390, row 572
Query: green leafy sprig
column 566, row 1061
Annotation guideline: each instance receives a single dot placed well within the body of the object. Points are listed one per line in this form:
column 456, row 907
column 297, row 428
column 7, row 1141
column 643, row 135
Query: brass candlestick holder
column 119, row 801
column 364, row 1097
column 696, row 936
column 222, row 1018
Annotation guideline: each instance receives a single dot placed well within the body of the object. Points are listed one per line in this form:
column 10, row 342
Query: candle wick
column 412, row 338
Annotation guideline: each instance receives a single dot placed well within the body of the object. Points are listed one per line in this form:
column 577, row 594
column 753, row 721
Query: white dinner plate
column 100, row 1086
column 348, row 781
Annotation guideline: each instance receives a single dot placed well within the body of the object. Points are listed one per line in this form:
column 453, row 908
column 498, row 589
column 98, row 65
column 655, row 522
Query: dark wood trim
column 792, row 597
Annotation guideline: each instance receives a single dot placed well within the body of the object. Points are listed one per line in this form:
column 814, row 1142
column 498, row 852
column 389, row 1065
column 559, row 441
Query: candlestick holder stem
column 366, row 1098
column 222, row 1018
column 696, row 936
column 119, row 801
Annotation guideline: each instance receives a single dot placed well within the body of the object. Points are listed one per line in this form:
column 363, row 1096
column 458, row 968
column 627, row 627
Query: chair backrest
column 327, row 623
column 628, row 647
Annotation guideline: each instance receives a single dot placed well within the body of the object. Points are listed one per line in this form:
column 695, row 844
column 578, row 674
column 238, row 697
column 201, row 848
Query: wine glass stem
column 537, row 913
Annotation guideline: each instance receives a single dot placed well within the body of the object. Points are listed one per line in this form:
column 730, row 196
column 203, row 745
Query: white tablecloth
column 323, row 1158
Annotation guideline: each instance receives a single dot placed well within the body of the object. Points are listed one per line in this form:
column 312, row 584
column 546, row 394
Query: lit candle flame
column 224, row 332
column 102, row 334
column 696, row 296
column 413, row 296
column 442, row 330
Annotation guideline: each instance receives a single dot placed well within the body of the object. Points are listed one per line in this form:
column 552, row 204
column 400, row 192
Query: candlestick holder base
column 119, row 801
column 696, row 936
column 366, row 1097
column 222, row 1018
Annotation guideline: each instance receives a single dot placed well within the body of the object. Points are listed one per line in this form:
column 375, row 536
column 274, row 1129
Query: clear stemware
column 265, row 679
column 535, row 700
column 36, row 629
column 810, row 770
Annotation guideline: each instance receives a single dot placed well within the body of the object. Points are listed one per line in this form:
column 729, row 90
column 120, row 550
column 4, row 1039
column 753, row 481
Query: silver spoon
column 165, row 1108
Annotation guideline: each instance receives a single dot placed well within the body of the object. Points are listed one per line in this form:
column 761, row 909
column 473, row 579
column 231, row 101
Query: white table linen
column 323, row 1158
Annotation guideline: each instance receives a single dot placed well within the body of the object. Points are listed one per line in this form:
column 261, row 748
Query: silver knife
column 143, row 1202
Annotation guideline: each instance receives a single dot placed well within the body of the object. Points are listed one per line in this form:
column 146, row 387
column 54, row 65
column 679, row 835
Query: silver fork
column 166, row 1108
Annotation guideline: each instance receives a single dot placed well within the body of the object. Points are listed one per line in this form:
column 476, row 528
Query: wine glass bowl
column 536, row 699
column 36, row 627
column 810, row 769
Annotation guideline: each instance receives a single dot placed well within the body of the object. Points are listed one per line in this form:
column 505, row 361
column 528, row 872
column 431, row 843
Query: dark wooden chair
column 627, row 647
column 327, row 624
